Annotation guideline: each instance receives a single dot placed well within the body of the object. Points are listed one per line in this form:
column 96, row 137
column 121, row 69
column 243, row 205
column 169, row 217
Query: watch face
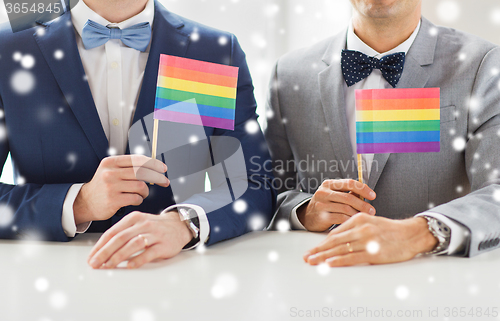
column 189, row 213
column 441, row 229
column 441, row 232
column 184, row 214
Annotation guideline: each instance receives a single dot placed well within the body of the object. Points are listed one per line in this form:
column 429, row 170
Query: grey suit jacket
column 309, row 141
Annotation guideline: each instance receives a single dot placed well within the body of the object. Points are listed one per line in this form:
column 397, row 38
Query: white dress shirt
column 114, row 73
column 376, row 81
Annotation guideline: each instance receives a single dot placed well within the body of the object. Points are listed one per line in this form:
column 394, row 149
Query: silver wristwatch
column 187, row 216
column 441, row 232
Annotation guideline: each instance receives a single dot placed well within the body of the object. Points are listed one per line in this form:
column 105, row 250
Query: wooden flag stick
column 360, row 172
column 155, row 141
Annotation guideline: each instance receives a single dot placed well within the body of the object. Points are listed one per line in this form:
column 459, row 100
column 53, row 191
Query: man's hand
column 334, row 203
column 365, row 239
column 161, row 237
column 119, row 181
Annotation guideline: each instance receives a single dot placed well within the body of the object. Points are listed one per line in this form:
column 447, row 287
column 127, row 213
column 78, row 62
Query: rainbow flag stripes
column 398, row 120
column 196, row 92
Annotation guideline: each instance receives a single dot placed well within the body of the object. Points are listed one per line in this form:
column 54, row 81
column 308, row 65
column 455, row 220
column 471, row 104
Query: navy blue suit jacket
column 56, row 139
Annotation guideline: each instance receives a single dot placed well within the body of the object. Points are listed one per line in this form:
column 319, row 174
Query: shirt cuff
column 459, row 233
column 294, row 220
column 202, row 217
column 68, row 216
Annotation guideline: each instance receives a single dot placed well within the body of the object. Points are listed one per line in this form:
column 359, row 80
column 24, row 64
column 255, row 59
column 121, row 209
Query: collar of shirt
column 354, row 43
column 81, row 13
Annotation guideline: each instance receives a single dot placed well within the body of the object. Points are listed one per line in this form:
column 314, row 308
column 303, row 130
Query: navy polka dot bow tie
column 356, row 66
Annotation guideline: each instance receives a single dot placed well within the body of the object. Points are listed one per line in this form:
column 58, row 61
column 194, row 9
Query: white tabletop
column 260, row 276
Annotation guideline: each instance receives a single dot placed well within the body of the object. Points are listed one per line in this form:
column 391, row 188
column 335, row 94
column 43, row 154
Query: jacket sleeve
column 29, row 210
column 479, row 211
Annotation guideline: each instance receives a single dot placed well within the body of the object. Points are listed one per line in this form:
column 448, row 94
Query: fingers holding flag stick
column 155, row 141
column 360, row 172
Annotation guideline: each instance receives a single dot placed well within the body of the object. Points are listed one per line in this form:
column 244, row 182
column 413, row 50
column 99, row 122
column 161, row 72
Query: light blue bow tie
column 137, row 36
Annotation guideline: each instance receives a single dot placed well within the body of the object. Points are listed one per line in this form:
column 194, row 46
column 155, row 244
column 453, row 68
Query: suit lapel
column 70, row 77
column 167, row 38
column 331, row 86
column 414, row 75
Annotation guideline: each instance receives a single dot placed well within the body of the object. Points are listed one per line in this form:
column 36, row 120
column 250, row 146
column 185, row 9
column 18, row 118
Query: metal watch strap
column 441, row 232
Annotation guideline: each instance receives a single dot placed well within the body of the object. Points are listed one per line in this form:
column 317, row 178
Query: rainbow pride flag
column 196, row 92
column 398, row 120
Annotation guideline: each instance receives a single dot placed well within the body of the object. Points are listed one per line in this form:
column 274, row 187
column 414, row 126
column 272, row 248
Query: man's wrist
column 185, row 234
column 80, row 208
column 424, row 240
